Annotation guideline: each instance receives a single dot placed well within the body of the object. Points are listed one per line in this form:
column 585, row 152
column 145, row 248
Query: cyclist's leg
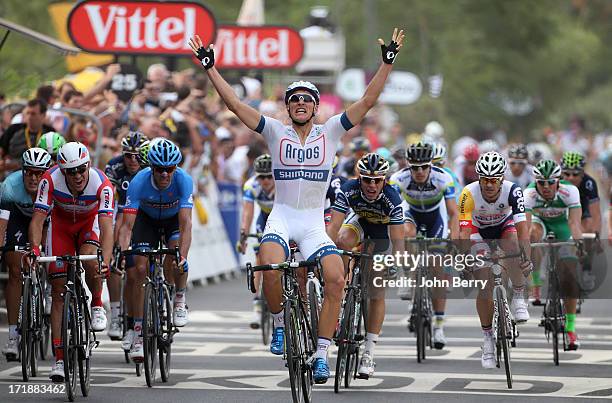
column 349, row 236
column 12, row 296
column 510, row 244
column 437, row 228
column 88, row 243
column 536, row 234
column 569, row 284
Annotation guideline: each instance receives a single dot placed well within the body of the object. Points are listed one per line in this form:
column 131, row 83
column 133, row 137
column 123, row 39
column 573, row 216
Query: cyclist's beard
column 295, row 122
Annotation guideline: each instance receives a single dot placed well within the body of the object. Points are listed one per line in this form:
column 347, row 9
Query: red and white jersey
column 96, row 198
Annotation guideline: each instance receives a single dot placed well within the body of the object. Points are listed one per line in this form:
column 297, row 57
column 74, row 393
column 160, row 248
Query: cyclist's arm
column 574, row 220
column 396, row 233
column 466, row 205
column 249, row 116
column 517, row 202
column 125, row 233
column 453, row 217
column 357, row 111
column 248, row 209
column 36, row 227
column 337, row 218
column 595, row 222
column 105, row 222
column 118, row 223
column 184, row 231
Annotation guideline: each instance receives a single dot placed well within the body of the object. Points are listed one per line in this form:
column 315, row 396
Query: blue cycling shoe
column 277, row 345
column 320, row 371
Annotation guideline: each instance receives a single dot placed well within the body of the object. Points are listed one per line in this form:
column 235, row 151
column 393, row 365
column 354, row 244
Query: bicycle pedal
column 359, row 337
column 537, row 302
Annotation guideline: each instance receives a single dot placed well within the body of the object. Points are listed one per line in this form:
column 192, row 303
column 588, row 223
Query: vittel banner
column 139, row 27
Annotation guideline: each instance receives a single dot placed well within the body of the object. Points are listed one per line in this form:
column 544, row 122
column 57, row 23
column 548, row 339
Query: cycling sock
column 179, row 296
column 536, row 280
column 570, row 322
column 279, row 320
column 130, row 322
column 370, row 343
column 13, row 333
column 439, row 319
column 487, row 331
column 59, row 352
column 322, row 346
column 115, row 310
column 138, row 326
column 96, row 299
column 519, row 292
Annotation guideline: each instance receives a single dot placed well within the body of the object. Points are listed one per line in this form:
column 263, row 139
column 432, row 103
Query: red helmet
column 471, row 152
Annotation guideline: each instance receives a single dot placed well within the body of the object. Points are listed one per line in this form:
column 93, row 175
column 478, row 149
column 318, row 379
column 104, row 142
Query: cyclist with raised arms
column 120, row 171
column 572, row 166
column 159, row 200
column 302, row 158
column 369, row 208
column 429, row 201
column 553, row 205
column 80, row 200
column 17, row 195
column 257, row 189
column 494, row 208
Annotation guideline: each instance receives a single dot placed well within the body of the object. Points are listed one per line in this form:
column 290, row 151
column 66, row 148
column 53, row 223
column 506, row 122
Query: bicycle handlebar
column 552, row 244
column 353, row 254
column 66, row 258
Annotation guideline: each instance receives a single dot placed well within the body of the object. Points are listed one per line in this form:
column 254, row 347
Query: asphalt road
column 217, row 358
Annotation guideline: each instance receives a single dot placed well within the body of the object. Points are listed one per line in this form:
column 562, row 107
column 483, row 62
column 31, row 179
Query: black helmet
column 373, row 164
column 263, row 164
column 419, row 153
column 133, row 142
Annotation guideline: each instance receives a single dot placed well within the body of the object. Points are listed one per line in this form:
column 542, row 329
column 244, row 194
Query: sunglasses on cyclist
column 548, row 182
column 301, row 98
column 161, row 170
column 264, row 177
column 33, row 172
column 518, row 163
column 370, row 179
column 423, row 167
column 130, row 156
column 572, row 173
column 493, row 180
column 77, row 170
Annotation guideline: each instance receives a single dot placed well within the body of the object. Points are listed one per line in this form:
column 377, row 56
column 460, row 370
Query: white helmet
column 72, row 155
column 36, row 157
column 302, row 85
column 434, row 130
column 491, row 164
column 439, row 153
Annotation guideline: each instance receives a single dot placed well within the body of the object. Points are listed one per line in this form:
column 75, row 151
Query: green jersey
column 553, row 214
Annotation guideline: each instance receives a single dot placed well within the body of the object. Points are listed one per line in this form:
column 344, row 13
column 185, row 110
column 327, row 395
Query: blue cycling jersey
column 458, row 187
column 159, row 204
column 386, row 209
column 13, row 195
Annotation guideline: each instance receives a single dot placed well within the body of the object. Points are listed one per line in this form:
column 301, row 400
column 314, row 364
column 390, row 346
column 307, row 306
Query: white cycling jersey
column 302, row 173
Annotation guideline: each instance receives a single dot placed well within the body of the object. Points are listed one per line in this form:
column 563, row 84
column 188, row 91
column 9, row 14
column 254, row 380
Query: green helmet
column 547, row 169
column 572, row 160
column 143, row 154
column 51, row 142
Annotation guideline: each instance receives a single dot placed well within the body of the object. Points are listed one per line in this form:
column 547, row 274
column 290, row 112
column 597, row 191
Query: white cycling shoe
column 366, row 366
column 438, row 338
column 98, row 319
column 137, row 352
column 180, row 315
column 11, row 350
column 519, row 310
column 114, row 330
column 128, row 340
column 488, row 353
column 57, row 372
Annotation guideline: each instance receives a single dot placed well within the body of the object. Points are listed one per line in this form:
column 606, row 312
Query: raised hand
column 389, row 52
column 206, row 55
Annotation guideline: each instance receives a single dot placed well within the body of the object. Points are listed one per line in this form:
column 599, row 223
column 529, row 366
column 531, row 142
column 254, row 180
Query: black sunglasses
column 130, row 156
column 549, row 182
column 419, row 167
column 301, row 98
column 77, row 170
column 370, row 179
column 161, row 170
column 572, row 173
column 33, row 172
column 264, row 176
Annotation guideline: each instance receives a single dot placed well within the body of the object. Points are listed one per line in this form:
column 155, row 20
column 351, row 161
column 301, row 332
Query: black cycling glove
column 206, row 57
column 389, row 52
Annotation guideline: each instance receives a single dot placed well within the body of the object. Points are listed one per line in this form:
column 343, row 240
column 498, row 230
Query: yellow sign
column 59, row 14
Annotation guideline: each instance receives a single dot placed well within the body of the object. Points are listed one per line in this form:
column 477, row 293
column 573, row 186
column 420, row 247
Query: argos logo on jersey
column 311, row 155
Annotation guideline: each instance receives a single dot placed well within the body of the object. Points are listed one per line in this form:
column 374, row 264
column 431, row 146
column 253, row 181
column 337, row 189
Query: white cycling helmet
column 491, row 164
column 36, row 157
column 439, row 153
column 302, row 85
column 434, row 130
column 72, row 155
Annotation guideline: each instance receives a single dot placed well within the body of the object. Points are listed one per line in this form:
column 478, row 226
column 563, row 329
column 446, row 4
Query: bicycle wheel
column 266, row 322
column 45, row 339
column 36, row 329
column 419, row 325
column 166, row 328
column 346, row 322
column 353, row 347
column 314, row 306
column 150, row 328
column 292, row 351
column 86, row 344
column 502, row 336
column 308, row 341
column 25, row 346
column 69, row 344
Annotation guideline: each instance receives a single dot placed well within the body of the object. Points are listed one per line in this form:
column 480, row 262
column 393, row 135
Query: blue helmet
column 164, row 153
